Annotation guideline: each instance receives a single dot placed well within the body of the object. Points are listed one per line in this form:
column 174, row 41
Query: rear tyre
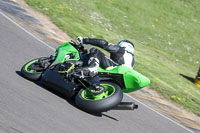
column 95, row 103
column 29, row 72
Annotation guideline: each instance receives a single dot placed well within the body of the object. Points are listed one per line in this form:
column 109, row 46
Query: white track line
column 159, row 113
column 125, row 94
column 26, row 31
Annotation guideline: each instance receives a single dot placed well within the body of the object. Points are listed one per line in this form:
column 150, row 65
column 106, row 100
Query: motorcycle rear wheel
column 30, row 73
column 95, row 103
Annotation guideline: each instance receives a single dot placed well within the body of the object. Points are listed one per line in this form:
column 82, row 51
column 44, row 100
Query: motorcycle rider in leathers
column 120, row 54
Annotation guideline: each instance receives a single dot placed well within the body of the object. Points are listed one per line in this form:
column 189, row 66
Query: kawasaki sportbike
column 63, row 71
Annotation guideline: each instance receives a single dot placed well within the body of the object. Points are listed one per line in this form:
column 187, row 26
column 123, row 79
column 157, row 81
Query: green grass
column 166, row 35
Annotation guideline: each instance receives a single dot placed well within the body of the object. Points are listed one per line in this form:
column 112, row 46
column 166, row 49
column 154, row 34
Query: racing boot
column 93, row 65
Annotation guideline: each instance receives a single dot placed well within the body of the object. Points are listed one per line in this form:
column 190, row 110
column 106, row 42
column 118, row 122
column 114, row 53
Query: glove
column 80, row 40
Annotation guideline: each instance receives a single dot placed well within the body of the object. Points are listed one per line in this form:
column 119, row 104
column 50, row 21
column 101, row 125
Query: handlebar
column 79, row 47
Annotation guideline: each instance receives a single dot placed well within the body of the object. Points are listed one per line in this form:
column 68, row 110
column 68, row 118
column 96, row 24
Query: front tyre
column 102, row 102
column 32, row 70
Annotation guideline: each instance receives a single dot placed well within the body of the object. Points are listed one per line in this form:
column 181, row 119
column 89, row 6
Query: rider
column 120, row 54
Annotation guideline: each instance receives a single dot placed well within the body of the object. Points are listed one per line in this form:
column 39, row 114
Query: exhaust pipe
column 126, row 106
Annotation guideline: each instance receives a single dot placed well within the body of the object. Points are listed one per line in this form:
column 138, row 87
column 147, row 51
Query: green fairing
column 133, row 80
column 64, row 49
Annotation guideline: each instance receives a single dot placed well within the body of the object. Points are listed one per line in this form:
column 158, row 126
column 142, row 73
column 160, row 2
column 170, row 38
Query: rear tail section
column 134, row 81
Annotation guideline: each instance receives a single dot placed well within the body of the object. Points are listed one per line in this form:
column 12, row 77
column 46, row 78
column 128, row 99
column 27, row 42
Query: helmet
column 128, row 45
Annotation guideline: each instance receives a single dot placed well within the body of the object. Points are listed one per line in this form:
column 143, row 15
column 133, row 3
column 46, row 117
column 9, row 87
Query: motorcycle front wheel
column 95, row 103
column 32, row 69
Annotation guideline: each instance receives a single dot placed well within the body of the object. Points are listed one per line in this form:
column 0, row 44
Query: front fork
column 45, row 63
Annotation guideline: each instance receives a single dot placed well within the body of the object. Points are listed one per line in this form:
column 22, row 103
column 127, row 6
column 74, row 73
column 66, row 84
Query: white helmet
column 128, row 45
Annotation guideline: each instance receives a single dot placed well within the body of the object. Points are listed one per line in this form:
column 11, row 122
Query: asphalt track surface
column 26, row 107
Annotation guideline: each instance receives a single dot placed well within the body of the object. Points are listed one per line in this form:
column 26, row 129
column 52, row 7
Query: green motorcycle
column 63, row 72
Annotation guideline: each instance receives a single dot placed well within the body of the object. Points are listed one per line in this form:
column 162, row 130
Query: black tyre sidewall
column 30, row 76
column 95, row 106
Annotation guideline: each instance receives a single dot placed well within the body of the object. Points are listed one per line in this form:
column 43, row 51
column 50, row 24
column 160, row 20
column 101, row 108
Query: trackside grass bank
column 165, row 32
